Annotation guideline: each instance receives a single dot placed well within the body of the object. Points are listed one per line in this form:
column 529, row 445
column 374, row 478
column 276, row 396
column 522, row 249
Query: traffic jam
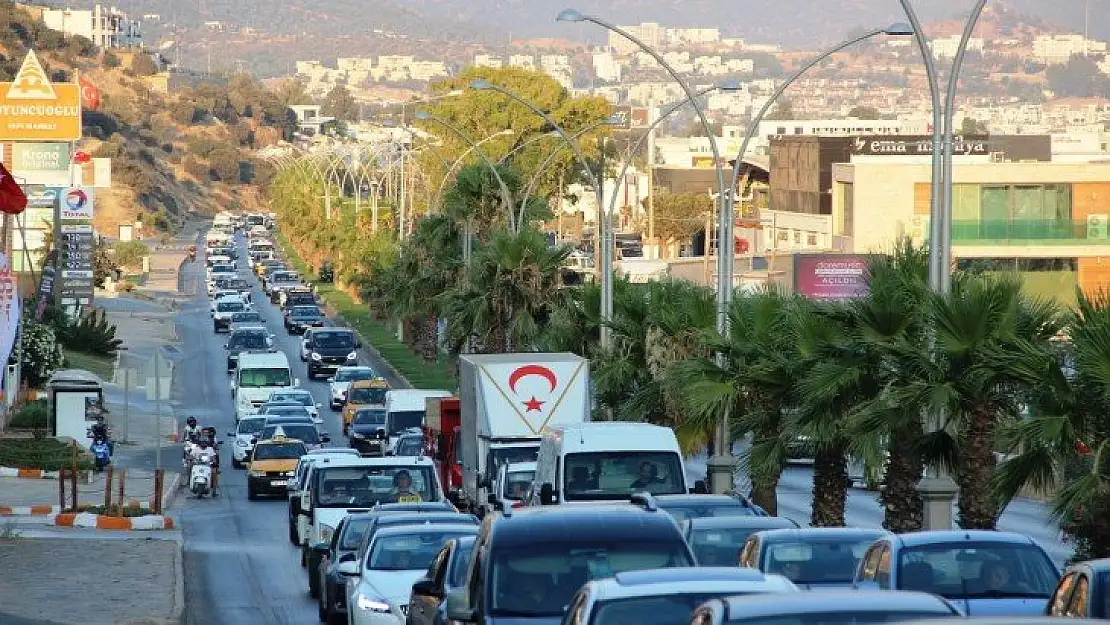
column 503, row 502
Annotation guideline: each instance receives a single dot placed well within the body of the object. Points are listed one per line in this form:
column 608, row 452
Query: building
column 488, row 60
column 606, row 67
column 946, row 47
column 309, row 120
column 105, row 27
column 525, row 61
column 1057, row 49
column 650, row 33
column 769, row 129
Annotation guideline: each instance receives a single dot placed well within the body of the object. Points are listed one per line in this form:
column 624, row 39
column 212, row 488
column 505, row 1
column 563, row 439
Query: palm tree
column 511, row 288
column 753, row 384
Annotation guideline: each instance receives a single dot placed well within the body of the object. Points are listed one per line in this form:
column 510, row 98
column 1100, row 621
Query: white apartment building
column 488, row 60
column 526, row 61
column 650, row 33
column 1058, row 49
column 835, row 128
column 427, row 70
column 105, row 27
column 309, row 68
column 606, row 67
column 353, row 64
column 946, row 47
column 555, row 63
column 692, row 36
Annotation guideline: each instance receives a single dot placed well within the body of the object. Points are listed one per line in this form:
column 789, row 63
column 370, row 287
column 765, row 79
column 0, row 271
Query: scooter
column 200, row 475
column 102, row 454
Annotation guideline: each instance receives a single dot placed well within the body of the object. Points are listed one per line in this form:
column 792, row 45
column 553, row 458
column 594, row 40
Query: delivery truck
column 507, row 402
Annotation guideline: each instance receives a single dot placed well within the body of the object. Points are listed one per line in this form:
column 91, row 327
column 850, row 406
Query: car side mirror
column 321, row 548
column 227, row 345
column 866, row 585
column 547, row 494
column 350, row 569
column 348, row 557
column 457, row 608
column 425, row 588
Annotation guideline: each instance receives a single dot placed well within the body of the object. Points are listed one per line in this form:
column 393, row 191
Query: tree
column 143, row 65
column 783, row 111
column 341, row 105
column 292, row 92
column 679, row 215
column 224, row 162
column 972, row 126
column 1080, row 77
column 865, row 112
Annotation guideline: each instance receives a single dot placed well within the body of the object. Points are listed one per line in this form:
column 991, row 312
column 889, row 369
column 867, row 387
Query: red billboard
column 831, row 276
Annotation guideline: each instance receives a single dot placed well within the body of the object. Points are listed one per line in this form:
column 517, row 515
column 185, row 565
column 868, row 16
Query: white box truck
column 507, row 402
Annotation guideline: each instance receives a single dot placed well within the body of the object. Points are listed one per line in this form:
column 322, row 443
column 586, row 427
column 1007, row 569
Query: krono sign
column 917, row 145
column 34, row 109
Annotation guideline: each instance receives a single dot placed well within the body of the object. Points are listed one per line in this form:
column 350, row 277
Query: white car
column 379, row 585
column 340, row 383
column 302, row 397
column 221, row 294
column 212, row 260
column 245, row 432
column 224, row 310
column 667, row 595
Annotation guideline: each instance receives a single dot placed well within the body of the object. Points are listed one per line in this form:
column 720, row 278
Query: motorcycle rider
column 191, row 430
column 206, row 445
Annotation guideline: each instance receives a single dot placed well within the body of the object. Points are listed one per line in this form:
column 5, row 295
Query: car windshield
column 223, row 269
column 816, row 562
column 862, row 617
column 350, row 375
column 404, row 419
column 617, row 474
column 456, row 577
column 353, row 533
column 295, row 411
column 653, row 610
column 365, row 395
column 977, row 570
column 541, row 579
column 305, row 311
column 251, row 426
column 230, row 307
column 248, row 340
column 261, row 378
column 243, row 317
column 302, row 432
column 370, row 417
column 517, row 483
column 280, row 451
column 408, row 552
column 410, row 446
column 237, row 284
column 512, row 455
column 365, row 486
column 285, row 277
column 684, row 511
column 304, row 399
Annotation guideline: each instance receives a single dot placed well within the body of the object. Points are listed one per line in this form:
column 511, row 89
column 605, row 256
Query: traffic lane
column 1022, row 516
column 240, row 568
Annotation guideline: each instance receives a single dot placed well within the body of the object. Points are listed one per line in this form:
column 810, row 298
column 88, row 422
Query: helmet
column 192, row 421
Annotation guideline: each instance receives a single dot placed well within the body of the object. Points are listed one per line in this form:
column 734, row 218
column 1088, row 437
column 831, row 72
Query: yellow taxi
column 272, row 465
column 362, row 394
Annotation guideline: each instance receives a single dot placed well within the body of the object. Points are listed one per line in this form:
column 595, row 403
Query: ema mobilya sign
column 34, row 109
column 918, row 145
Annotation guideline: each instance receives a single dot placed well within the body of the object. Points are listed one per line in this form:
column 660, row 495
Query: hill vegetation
column 173, row 154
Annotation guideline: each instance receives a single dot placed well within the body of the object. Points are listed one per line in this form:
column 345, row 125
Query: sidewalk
column 21, row 493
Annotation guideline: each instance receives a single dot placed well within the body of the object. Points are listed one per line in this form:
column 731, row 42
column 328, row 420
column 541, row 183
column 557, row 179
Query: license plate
column 279, row 482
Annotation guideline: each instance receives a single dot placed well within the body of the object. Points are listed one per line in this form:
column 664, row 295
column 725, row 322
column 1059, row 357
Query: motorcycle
column 102, row 454
column 201, row 460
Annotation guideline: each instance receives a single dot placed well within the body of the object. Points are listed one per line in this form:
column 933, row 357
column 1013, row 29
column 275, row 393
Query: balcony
column 1092, row 231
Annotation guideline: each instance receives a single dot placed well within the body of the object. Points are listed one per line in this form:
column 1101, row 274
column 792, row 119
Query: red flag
column 12, row 199
column 90, row 95
column 81, row 157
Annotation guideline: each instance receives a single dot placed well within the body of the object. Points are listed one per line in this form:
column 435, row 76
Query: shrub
column 195, row 168
column 126, row 286
column 90, row 334
column 130, row 253
column 111, row 60
column 225, row 165
column 143, row 65
column 31, row 415
column 42, row 355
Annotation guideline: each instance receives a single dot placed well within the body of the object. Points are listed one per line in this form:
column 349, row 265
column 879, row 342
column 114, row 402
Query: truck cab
column 406, row 408
column 514, row 481
column 257, row 376
column 592, row 463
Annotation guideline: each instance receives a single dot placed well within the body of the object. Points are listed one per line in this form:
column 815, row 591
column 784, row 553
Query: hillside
column 172, row 156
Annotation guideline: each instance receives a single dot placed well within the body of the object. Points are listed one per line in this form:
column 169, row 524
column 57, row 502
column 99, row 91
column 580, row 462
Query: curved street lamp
column 450, row 169
column 506, row 195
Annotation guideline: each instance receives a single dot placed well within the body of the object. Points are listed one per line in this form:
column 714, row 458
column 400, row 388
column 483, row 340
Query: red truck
column 441, row 433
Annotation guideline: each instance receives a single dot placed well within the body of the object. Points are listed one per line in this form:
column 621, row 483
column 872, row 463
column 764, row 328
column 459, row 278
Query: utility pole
column 158, row 410
column 651, row 180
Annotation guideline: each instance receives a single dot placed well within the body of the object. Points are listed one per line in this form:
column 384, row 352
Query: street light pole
column 449, row 169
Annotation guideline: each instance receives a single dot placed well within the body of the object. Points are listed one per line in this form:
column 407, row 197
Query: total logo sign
column 538, row 393
column 77, row 204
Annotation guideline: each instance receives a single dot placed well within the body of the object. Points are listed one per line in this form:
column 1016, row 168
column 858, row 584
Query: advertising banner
column 831, row 276
column 9, row 308
column 34, row 109
column 28, row 157
column 46, row 285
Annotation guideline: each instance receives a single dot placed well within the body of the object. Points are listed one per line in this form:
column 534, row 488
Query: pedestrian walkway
column 19, row 495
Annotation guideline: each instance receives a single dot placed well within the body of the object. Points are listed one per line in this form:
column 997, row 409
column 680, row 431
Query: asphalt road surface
column 239, row 566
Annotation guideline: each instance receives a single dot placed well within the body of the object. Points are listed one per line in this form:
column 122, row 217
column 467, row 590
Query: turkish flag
column 12, row 199
column 81, row 157
column 90, row 95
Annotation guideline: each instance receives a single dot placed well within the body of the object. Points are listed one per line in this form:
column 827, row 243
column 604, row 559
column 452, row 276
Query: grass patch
column 102, row 366
column 415, row 370
column 40, row 453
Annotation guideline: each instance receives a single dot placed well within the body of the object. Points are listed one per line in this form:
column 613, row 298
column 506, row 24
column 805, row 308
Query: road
column 240, row 568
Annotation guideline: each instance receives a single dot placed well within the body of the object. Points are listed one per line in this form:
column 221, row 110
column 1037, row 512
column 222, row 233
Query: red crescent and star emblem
column 533, row 404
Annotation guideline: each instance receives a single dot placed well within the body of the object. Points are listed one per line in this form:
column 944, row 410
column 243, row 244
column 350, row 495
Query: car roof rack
column 644, row 500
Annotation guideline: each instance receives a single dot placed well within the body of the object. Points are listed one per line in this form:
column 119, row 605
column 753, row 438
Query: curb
column 37, row 510
column 28, row 474
column 169, row 492
column 150, row 522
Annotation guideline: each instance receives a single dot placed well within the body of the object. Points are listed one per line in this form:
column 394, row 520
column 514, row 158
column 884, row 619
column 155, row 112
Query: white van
column 406, row 408
column 607, row 462
column 258, row 375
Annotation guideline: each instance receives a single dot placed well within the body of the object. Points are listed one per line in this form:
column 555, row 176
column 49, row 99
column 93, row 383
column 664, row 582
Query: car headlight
column 352, row 356
column 325, row 533
column 315, row 356
column 289, row 473
column 355, row 434
column 372, row 603
column 258, row 473
column 241, row 443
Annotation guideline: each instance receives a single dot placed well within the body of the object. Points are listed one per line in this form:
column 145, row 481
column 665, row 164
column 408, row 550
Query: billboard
column 831, row 276
column 34, row 109
column 40, row 157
